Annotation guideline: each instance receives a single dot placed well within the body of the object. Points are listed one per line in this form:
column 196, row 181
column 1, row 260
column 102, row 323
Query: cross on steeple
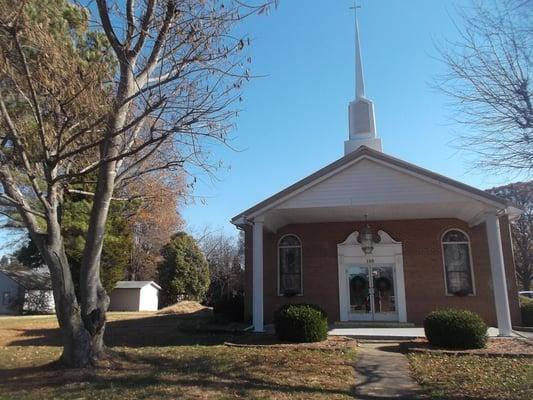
column 359, row 81
column 355, row 7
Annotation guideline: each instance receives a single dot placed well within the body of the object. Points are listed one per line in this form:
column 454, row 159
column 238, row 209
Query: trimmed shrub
column 527, row 314
column 455, row 329
column 301, row 323
column 231, row 308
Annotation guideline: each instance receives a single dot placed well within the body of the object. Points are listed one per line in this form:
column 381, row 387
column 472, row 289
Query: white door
column 371, row 292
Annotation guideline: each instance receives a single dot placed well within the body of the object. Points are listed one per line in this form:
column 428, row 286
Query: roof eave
column 240, row 219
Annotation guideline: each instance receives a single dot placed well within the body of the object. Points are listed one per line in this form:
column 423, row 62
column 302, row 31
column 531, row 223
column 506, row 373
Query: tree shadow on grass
column 160, row 375
column 157, row 330
column 160, row 370
column 199, row 328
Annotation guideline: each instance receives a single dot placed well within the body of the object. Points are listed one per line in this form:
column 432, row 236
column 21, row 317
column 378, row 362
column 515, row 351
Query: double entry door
column 372, row 292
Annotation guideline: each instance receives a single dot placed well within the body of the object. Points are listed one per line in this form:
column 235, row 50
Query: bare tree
column 489, row 81
column 168, row 87
column 225, row 256
column 521, row 194
column 155, row 221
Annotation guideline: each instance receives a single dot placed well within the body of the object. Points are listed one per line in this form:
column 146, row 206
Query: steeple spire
column 359, row 79
column 361, row 110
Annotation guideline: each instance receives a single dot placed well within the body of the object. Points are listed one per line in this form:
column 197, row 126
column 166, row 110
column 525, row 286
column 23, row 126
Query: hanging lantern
column 367, row 240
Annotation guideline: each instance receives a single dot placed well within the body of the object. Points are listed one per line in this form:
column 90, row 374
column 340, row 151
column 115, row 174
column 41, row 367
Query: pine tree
column 184, row 271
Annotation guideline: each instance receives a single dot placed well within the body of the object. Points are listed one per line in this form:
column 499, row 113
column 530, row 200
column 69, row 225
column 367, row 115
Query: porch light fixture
column 367, row 240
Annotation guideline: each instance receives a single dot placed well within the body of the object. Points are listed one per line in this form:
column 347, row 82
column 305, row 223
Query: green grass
column 473, row 377
column 152, row 358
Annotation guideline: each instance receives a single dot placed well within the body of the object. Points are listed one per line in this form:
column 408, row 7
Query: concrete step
column 371, row 324
column 523, row 328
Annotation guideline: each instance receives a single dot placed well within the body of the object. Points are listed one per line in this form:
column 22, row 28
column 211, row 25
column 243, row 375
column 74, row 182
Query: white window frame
column 444, row 260
column 278, row 247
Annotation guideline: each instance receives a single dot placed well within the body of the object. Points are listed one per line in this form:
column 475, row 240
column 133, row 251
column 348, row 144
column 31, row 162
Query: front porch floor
column 392, row 333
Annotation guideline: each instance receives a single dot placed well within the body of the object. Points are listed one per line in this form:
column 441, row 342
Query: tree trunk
column 80, row 347
column 94, row 299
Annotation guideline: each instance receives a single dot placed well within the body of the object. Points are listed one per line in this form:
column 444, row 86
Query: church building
column 372, row 238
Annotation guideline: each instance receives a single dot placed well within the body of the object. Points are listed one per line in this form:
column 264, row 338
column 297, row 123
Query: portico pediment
column 368, row 182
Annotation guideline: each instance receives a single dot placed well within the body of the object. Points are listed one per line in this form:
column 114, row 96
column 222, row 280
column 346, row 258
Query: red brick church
column 374, row 238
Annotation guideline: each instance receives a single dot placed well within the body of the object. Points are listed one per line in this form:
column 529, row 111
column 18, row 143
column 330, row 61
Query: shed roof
column 135, row 284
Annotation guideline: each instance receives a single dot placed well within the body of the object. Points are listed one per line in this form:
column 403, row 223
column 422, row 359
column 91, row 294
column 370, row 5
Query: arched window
column 457, row 263
column 290, row 266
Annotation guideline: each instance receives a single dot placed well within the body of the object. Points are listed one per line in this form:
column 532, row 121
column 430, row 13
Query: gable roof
column 29, row 279
column 135, row 284
column 366, row 152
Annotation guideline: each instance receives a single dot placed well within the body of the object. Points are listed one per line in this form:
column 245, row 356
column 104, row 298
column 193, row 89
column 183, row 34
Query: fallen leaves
column 473, row 376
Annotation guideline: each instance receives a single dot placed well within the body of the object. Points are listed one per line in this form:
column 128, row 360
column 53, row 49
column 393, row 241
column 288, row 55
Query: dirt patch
column 184, row 307
column 495, row 347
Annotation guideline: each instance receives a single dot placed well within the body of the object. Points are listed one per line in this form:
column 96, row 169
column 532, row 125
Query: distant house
column 135, row 296
column 25, row 291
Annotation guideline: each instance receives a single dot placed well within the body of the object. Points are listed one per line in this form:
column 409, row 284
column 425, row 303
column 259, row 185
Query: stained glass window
column 290, row 266
column 457, row 266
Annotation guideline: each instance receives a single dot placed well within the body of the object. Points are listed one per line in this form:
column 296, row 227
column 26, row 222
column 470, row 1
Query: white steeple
column 359, row 80
column 361, row 110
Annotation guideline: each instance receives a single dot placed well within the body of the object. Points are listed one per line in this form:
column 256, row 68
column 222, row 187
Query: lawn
column 159, row 357
column 473, row 377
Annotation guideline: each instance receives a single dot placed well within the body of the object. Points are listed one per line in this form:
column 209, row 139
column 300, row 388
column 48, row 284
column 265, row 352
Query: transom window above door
column 290, row 266
column 457, row 259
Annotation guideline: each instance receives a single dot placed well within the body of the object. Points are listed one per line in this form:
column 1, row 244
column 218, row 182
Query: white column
column 499, row 281
column 257, row 291
column 400, row 288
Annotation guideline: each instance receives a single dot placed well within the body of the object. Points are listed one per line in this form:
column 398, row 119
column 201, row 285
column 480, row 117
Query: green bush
column 231, row 308
column 455, row 329
column 302, row 323
column 527, row 314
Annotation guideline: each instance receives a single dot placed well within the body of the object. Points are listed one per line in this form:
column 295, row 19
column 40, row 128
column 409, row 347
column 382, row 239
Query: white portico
column 326, row 264
column 369, row 183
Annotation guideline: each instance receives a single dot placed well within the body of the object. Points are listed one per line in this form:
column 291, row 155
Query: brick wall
column 422, row 258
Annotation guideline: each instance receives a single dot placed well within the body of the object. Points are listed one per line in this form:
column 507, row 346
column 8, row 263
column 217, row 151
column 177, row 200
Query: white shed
column 134, row 296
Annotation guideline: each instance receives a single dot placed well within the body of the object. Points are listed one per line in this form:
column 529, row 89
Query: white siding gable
column 370, row 182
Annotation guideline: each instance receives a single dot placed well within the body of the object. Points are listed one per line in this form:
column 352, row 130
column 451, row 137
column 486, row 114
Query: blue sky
column 295, row 120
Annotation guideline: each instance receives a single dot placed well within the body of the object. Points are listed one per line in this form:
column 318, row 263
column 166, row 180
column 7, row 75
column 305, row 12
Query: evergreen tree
column 184, row 271
column 117, row 246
